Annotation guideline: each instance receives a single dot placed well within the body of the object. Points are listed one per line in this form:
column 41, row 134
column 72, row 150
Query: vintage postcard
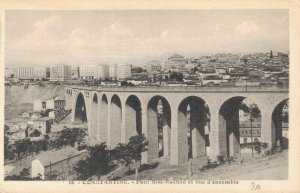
column 150, row 96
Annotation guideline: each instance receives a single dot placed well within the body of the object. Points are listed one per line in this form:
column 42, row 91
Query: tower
column 271, row 55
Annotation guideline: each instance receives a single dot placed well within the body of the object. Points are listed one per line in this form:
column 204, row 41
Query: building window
column 44, row 105
column 245, row 140
column 255, row 139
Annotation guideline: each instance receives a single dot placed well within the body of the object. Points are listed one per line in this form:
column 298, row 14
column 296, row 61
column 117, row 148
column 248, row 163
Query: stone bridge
column 114, row 114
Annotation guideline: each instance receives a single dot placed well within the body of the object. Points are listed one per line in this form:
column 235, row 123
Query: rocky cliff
column 18, row 94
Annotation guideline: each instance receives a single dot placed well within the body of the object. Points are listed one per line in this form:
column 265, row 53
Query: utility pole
column 50, row 167
column 251, row 119
column 190, row 153
column 190, row 169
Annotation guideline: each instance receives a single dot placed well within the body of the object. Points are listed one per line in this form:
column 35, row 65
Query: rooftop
column 56, row 156
column 176, row 56
column 41, row 119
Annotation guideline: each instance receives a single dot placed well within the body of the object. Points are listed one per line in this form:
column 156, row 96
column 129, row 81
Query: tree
column 122, row 154
column 6, row 138
column 252, row 109
column 6, row 128
column 176, row 76
column 37, row 146
column 124, row 83
column 136, row 70
column 10, row 151
column 98, row 163
column 35, row 133
column 6, row 141
column 132, row 151
column 82, row 169
column 137, row 145
column 23, row 175
column 23, row 147
column 99, row 159
column 69, row 137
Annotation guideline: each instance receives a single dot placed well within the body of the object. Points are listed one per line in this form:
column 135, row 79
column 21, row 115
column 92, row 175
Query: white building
column 38, row 72
column 113, row 71
column 43, row 104
column 42, row 124
column 245, row 132
column 176, row 62
column 89, row 72
column 123, row 71
column 102, row 72
column 60, row 73
column 153, row 66
column 74, row 72
column 24, row 73
column 119, row 71
column 41, row 72
column 37, row 168
column 55, row 161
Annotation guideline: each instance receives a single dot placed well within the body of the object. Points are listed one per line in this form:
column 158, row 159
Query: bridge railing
column 182, row 88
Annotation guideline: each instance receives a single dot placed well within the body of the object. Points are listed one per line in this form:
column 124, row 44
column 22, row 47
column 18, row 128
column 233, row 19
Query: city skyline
column 92, row 37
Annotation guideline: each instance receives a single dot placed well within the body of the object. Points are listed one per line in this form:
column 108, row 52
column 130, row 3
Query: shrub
column 210, row 165
column 259, row 147
column 35, row 133
column 276, row 148
column 24, row 175
column 221, row 159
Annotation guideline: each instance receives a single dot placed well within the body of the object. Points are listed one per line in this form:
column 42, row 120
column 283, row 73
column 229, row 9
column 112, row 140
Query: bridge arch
column 232, row 130
column 133, row 117
column 115, row 120
column 80, row 109
column 279, row 133
column 193, row 128
column 159, row 127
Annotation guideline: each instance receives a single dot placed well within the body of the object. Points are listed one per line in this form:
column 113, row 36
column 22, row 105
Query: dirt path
column 268, row 168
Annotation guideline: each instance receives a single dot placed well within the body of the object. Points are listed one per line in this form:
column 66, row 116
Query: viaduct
column 114, row 114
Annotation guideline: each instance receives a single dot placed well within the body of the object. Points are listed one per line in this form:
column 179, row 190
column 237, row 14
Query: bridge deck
column 180, row 89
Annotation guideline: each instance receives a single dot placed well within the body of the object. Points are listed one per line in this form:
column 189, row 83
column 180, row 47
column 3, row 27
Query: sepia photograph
column 134, row 98
column 146, row 95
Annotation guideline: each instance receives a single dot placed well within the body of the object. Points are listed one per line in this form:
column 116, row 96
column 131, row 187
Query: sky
column 105, row 37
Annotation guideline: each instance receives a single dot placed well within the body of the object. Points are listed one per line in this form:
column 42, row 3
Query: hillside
column 273, row 167
column 19, row 94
